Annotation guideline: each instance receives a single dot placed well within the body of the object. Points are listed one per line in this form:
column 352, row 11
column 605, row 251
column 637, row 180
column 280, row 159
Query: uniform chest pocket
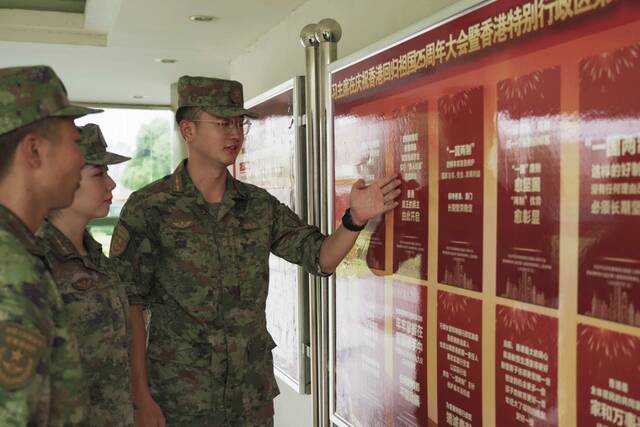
column 185, row 242
column 189, row 253
column 254, row 238
column 90, row 305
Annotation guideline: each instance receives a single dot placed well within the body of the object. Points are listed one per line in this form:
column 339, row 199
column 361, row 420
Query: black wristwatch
column 347, row 221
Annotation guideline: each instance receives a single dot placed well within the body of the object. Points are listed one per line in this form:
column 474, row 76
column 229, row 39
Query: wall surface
column 278, row 55
column 292, row 409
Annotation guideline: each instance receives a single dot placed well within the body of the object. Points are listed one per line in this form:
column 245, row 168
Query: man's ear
column 31, row 149
column 187, row 130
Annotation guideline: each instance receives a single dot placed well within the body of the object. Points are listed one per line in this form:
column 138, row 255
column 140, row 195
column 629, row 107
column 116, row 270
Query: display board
column 504, row 290
column 272, row 158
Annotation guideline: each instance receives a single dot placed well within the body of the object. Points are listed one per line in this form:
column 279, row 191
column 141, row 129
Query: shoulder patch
column 119, row 240
column 20, row 351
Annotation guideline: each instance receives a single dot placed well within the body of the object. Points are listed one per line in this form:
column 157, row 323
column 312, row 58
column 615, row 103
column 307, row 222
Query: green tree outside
column 152, row 158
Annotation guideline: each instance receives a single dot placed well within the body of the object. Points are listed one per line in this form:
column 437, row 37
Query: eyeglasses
column 230, row 125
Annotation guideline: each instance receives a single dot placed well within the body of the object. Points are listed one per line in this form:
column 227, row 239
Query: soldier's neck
column 23, row 203
column 72, row 226
column 209, row 180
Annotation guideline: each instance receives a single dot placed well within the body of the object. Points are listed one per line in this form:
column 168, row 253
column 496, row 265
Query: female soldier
column 91, row 290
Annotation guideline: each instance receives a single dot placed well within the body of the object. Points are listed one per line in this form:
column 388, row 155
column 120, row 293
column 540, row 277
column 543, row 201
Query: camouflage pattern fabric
column 222, row 98
column 204, row 272
column 29, row 94
column 41, row 382
column 98, row 311
column 94, row 147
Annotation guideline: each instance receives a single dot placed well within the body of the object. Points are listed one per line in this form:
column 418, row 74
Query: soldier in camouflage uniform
column 194, row 247
column 90, row 288
column 41, row 382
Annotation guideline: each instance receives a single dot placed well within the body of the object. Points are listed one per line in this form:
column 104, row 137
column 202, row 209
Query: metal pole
column 328, row 34
column 309, row 42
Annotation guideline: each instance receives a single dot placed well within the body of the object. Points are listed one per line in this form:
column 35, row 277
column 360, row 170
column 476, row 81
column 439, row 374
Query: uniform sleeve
column 70, row 399
column 295, row 240
column 21, row 387
column 132, row 253
column 30, row 344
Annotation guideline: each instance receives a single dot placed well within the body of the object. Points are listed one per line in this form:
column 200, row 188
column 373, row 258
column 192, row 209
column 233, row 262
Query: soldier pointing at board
column 193, row 247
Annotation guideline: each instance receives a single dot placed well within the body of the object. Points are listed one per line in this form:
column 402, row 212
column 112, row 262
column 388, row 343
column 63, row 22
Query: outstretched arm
column 366, row 202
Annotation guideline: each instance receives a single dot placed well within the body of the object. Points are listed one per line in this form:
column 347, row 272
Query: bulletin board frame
column 300, row 382
column 570, row 324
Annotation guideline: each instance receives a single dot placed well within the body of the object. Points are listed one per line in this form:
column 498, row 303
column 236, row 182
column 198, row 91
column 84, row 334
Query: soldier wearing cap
column 41, row 381
column 93, row 297
column 194, row 248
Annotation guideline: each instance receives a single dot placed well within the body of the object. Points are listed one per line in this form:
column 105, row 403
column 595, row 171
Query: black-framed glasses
column 230, row 125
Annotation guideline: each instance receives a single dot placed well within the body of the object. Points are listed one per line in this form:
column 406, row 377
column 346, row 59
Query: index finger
column 385, row 180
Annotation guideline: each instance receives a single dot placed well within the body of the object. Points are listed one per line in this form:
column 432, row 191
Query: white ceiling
column 108, row 54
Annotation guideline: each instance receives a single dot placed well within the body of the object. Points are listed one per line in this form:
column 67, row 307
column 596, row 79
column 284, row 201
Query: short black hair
column 9, row 141
column 187, row 113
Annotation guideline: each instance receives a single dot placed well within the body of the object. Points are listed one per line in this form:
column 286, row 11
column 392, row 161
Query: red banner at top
column 486, row 29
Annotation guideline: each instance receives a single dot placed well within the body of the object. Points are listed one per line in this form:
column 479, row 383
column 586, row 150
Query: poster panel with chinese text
column 608, row 391
column 268, row 159
column 459, row 359
column 409, row 354
column 529, row 187
column 514, row 127
column 461, row 153
column 526, row 368
column 609, row 281
column 408, row 138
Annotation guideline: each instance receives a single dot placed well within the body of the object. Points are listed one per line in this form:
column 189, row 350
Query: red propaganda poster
column 609, row 263
column 608, row 378
column 360, row 351
column 461, row 127
column 409, row 355
column 459, row 361
column 544, row 97
column 359, row 154
column 529, row 187
column 408, row 128
column 526, row 368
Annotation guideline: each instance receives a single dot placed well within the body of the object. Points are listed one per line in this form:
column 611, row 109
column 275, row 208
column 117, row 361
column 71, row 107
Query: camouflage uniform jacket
column 98, row 310
column 203, row 270
column 41, row 381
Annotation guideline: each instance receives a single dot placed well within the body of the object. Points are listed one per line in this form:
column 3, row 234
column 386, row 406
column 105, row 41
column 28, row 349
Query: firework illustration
column 608, row 344
column 609, row 66
column 519, row 321
column 450, row 105
column 452, row 304
column 519, row 88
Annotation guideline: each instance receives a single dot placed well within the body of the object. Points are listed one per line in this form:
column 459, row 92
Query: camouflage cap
column 220, row 97
column 94, row 147
column 29, row 94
